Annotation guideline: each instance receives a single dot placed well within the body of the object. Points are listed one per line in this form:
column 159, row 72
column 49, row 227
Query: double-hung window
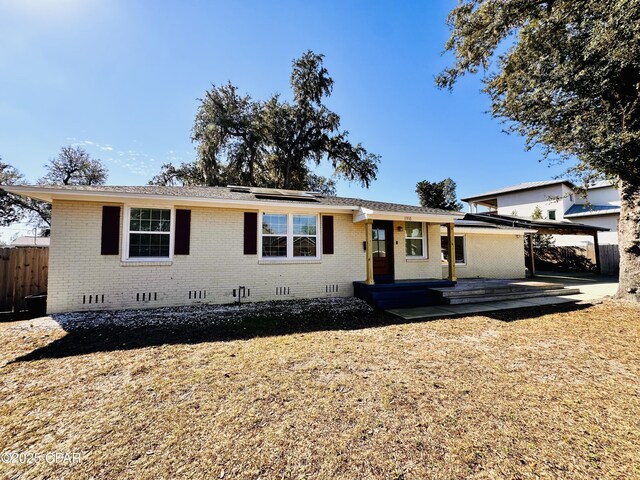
column 289, row 235
column 414, row 239
column 274, row 235
column 459, row 246
column 304, row 235
column 149, row 233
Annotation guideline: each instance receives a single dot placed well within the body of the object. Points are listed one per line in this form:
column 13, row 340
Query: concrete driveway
column 592, row 286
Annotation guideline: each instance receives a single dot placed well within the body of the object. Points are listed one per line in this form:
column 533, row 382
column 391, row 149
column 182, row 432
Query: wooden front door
column 382, row 251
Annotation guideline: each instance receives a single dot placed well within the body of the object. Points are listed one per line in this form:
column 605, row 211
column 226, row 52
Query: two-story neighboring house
column 557, row 199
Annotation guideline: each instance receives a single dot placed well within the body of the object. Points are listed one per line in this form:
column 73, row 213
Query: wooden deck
column 401, row 293
column 494, row 290
column 421, row 293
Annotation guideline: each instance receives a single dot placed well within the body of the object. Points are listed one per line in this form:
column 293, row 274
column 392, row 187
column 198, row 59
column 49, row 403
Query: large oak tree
column 273, row 143
column 565, row 74
column 440, row 194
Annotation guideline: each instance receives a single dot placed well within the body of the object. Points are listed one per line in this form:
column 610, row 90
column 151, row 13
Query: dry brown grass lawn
column 555, row 395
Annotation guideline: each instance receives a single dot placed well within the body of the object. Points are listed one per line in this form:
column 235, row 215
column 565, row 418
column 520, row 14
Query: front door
column 382, row 251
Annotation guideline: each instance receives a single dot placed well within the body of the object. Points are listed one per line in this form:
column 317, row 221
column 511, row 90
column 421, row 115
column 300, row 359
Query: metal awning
column 549, row 227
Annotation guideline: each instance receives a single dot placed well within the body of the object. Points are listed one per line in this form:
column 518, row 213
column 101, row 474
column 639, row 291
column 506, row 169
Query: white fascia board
column 33, row 192
column 366, row 214
column 49, row 195
column 491, row 231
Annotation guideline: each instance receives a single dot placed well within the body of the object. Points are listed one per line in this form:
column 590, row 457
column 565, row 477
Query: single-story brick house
column 116, row 247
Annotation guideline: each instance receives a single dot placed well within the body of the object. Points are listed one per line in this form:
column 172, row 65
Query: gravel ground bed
column 205, row 315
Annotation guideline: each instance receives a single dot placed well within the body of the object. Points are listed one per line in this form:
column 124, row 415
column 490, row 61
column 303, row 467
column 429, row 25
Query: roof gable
column 520, row 187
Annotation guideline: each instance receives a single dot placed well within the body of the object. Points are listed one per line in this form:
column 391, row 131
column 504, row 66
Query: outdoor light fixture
column 400, row 229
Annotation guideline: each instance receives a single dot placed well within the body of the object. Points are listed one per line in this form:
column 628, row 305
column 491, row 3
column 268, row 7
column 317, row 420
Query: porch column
column 596, row 247
column 451, row 252
column 368, row 227
column 532, row 260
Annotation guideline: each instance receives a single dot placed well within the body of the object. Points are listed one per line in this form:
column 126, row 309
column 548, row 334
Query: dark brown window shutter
column 250, row 233
column 183, row 232
column 110, row 241
column 327, row 234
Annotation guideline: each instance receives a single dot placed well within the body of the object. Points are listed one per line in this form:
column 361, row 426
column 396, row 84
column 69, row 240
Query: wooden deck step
column 460, row 291
column 505, row 295
column 419, row 293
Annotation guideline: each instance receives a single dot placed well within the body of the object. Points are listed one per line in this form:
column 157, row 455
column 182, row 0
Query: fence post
column 5, row 260
column 596, row 246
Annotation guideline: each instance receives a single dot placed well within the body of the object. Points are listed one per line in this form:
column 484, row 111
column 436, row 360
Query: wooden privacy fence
column 23, row 271
column 609, row 258
column 579, row 259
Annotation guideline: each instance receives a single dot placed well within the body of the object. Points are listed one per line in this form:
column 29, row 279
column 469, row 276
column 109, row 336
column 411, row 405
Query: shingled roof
column 239, row 194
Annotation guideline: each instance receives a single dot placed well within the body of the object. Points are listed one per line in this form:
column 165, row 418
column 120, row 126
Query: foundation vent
column 283, row 291
column 197, row 294
column 91, row 299
column 147, row 297
column 333, row 288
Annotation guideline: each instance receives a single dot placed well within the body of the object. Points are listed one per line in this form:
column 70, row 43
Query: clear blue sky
column 122, row 77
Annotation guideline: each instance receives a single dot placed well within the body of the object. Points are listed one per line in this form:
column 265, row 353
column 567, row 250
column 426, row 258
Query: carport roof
column 541, row 226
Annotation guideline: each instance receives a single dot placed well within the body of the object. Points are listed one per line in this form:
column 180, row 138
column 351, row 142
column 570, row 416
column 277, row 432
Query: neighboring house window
column 551, row 214
column 289, row 236
column 414, row 239
column 149, row 233
column 459, row 245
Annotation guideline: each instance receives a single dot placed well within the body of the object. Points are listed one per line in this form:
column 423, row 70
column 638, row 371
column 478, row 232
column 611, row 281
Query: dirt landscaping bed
column 331, row 390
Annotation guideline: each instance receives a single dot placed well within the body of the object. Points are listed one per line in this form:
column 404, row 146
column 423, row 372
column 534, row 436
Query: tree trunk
column 252, row 159
column 286, row 184
column 629, row 241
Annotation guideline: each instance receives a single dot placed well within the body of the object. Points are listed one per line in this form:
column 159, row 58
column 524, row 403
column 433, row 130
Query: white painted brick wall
column 216, row 264
column 410, row 268
column 491, row 256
